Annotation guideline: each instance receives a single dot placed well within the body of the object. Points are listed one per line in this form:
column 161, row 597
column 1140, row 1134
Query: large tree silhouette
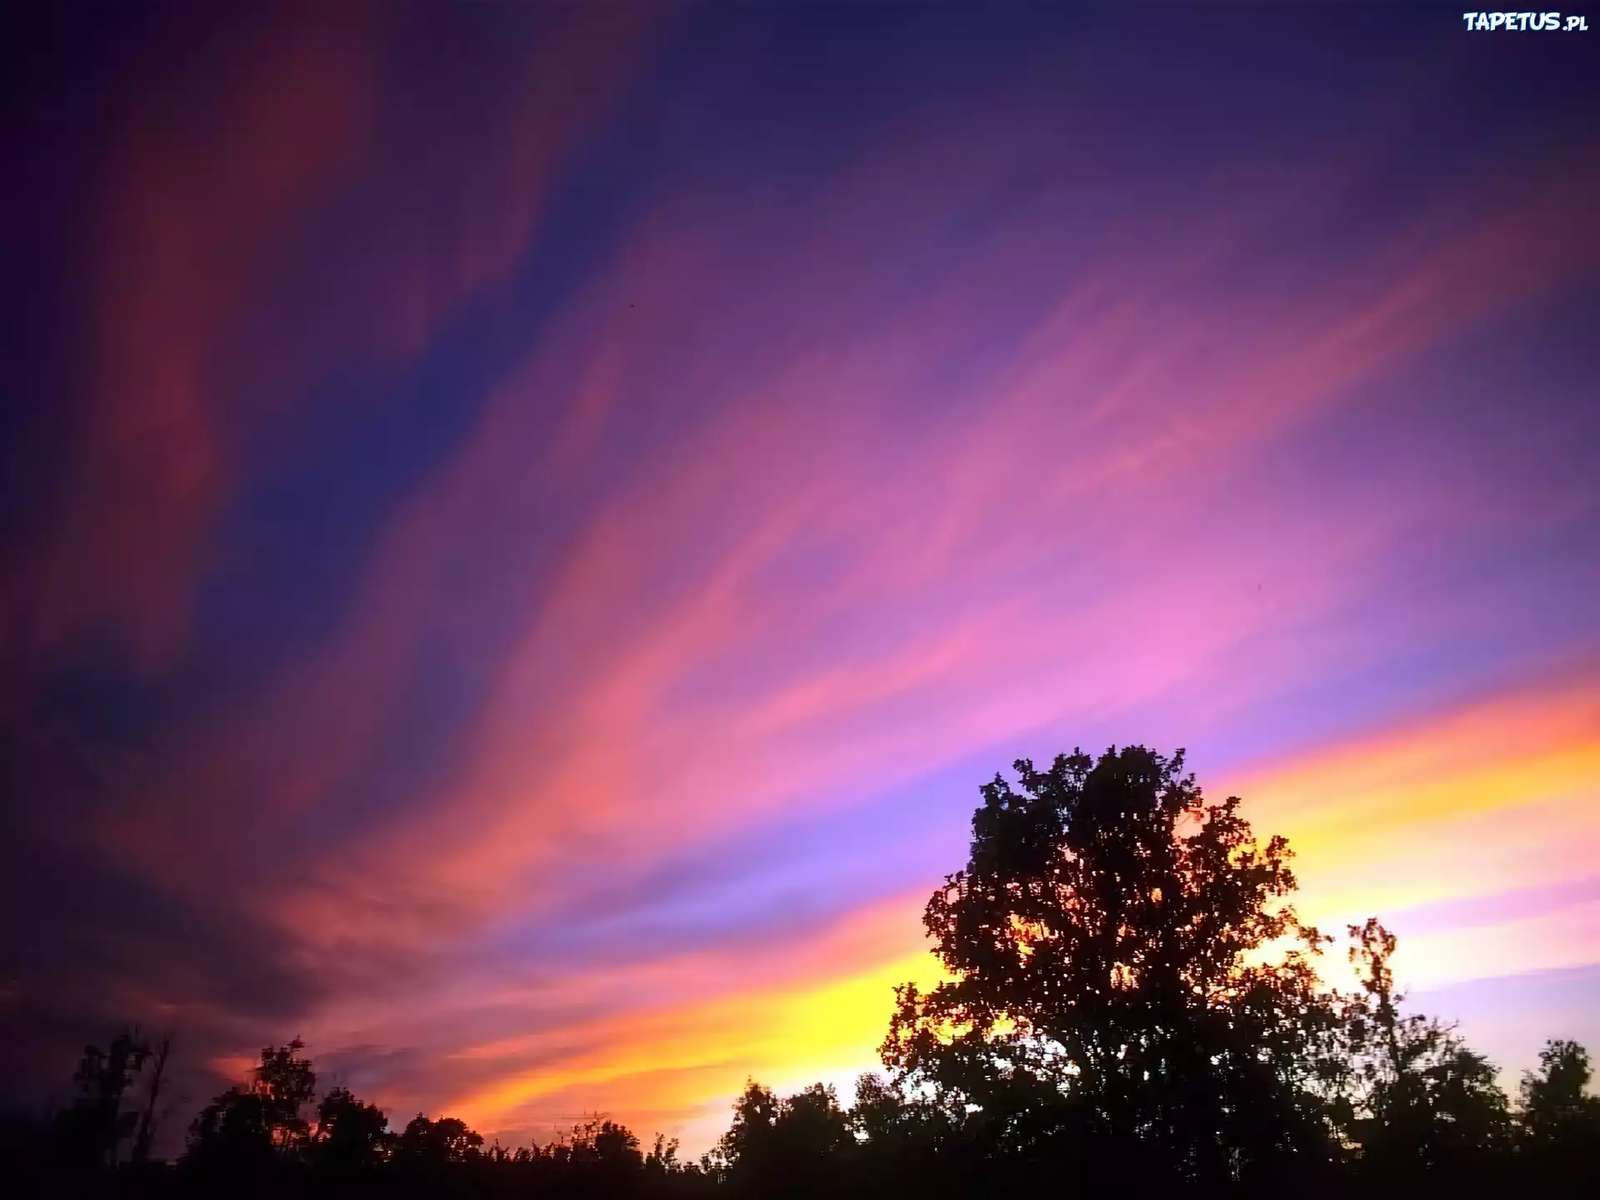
column 1129, row 983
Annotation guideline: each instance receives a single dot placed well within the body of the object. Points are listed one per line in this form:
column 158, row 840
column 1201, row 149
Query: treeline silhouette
column 1131, row 1003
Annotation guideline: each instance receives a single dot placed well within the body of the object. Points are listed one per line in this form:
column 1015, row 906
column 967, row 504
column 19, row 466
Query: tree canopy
column 1123, row 954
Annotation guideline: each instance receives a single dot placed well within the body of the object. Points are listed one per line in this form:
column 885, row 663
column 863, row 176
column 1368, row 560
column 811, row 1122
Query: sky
column 525, row 526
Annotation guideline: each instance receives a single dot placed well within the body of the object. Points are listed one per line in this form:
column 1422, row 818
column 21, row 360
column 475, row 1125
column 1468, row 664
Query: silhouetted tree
column 92, row 1128
column 1425, row 1101
column 794, row 1146
column 906, row 1145
column 351, row 1137
column 599, row 1157
column 663, row 1156
column 444, row 1141
column 148, row 1118
column 1558, row 1120
column 602, row 1143
column 247, row 1127
column 1126, row 975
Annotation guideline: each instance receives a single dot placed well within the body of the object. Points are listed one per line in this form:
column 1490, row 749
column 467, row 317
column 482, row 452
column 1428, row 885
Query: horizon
column 527, row 526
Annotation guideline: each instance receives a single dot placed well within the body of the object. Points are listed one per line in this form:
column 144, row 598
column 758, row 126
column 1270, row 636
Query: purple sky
column 526, row 525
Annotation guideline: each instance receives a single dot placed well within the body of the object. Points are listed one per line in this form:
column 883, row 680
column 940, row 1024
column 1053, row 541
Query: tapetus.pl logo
column 1526, row 22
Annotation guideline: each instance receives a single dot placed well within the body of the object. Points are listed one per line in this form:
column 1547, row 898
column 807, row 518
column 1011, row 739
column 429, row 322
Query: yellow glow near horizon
column 1513, row 776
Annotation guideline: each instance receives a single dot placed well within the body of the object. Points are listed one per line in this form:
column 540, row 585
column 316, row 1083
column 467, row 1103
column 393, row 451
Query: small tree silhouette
column 794, row 1146
column 249, row 1126
column 92, row 1128
column 351, row 1137
column 1426, row 1101
column 1558, row 1120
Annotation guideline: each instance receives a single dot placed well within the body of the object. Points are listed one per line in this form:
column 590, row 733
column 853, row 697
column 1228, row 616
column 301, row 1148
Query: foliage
column 255, row 1123
column 437, row 1143
column 92, row 1128
column 1424, row 1100
column 351, row 1137
column 1125, row 973
column 1558, row 1122
column 795, row 1145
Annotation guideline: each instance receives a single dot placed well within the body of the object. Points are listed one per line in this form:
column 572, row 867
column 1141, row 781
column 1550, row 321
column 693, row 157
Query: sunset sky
column 525, row 526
